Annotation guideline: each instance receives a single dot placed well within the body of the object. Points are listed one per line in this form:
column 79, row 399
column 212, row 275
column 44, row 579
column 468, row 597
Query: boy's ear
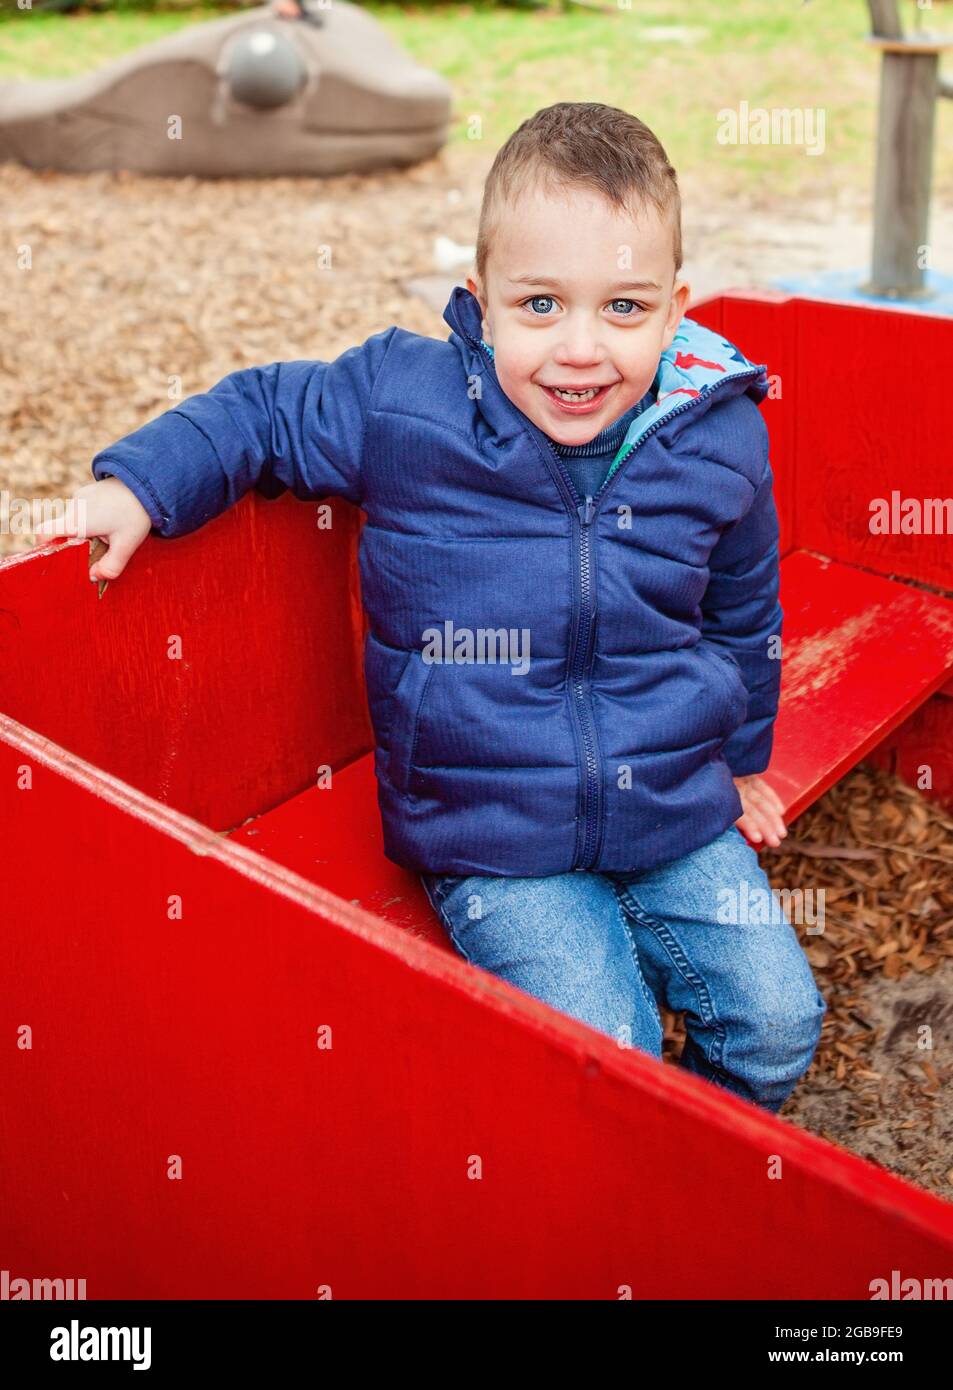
column 476, row 289
column 678, row 306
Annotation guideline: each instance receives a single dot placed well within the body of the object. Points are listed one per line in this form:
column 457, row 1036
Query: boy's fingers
column 115, row 560
column 74, row 521
column 57, row 526
column 761, row 829
column 768, row 821
column 766, row 799
column 770, row 810
column 748, row 827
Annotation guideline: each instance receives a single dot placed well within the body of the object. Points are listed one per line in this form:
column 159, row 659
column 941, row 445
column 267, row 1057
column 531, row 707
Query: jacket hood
column 696, row 362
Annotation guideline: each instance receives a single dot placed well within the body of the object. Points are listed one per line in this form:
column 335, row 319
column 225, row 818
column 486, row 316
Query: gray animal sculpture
column 254, row 93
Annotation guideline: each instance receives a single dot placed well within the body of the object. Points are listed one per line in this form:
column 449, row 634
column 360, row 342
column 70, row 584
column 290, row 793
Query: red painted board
column 352, row 1167
column 921, row 750
column 332, row 835
column 860, row 653
column 269, row 685
column 706, row 311
column 873, row 420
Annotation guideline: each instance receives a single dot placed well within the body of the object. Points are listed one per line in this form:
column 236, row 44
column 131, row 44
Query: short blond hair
column 583, row 144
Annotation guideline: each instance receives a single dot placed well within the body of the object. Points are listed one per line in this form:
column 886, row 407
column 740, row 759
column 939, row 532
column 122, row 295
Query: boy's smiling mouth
column 579, row 400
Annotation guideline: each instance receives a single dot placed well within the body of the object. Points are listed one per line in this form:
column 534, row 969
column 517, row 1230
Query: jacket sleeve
column 740, row 613
column 297, row 425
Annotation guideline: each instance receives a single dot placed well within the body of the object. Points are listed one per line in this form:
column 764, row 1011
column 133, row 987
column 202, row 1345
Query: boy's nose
column 579, row 347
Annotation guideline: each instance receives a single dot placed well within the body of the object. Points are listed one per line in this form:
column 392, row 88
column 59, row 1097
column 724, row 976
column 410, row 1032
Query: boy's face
column 560, row 312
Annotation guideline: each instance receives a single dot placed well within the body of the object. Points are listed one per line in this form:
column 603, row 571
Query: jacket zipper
column 586, row 510
column 583, row 654
column 592, row 812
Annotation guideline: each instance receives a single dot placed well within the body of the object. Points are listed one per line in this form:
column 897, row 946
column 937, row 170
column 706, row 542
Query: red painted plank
column 921, row 750
column 860, row 654
column 707, row 311
column 351, row 1167
column 873, row 420
column 269, row 686
column 332, row 835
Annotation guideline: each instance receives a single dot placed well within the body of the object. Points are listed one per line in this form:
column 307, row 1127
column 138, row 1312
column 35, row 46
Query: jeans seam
column 649, row 996
column 716, row 1030
column 439, row 909
column 434, row 890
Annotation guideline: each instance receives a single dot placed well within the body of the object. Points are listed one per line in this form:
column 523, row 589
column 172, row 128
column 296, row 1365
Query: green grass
column 503, row 64
column 49, row 45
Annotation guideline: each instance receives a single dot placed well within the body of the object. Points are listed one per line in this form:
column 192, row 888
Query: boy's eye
column 613, row 304
column 540, row 299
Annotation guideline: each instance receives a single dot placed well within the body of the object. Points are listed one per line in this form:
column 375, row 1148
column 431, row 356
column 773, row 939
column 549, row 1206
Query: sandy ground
column 121, row 282
column 903, row 1120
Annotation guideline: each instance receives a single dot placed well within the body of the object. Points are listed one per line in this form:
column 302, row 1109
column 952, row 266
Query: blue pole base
column 844, row 285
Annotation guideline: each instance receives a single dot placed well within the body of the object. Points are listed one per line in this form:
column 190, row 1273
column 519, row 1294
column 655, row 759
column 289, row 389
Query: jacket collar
column 463, row 315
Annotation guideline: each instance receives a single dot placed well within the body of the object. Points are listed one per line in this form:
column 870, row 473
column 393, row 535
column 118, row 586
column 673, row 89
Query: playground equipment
column 909, row 87
column 250, row 94
column 219, row 968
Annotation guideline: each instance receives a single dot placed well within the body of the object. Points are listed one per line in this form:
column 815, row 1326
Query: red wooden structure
column 240, row 1058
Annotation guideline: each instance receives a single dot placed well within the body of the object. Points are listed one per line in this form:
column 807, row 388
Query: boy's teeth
column 576, row 395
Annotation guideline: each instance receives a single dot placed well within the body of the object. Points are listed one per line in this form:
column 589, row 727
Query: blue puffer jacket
column 555, row 682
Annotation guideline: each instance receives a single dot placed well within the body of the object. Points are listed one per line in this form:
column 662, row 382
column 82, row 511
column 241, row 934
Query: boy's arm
column 297, row 425
column 741, row 612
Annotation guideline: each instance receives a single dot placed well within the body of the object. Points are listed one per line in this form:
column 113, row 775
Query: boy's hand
column 762, row 819
column 109, row 510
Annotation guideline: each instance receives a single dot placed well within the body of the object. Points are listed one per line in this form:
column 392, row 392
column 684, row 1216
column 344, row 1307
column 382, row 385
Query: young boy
column 570, row 568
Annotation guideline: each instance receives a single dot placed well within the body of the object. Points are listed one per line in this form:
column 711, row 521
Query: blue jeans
column 605, row 947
